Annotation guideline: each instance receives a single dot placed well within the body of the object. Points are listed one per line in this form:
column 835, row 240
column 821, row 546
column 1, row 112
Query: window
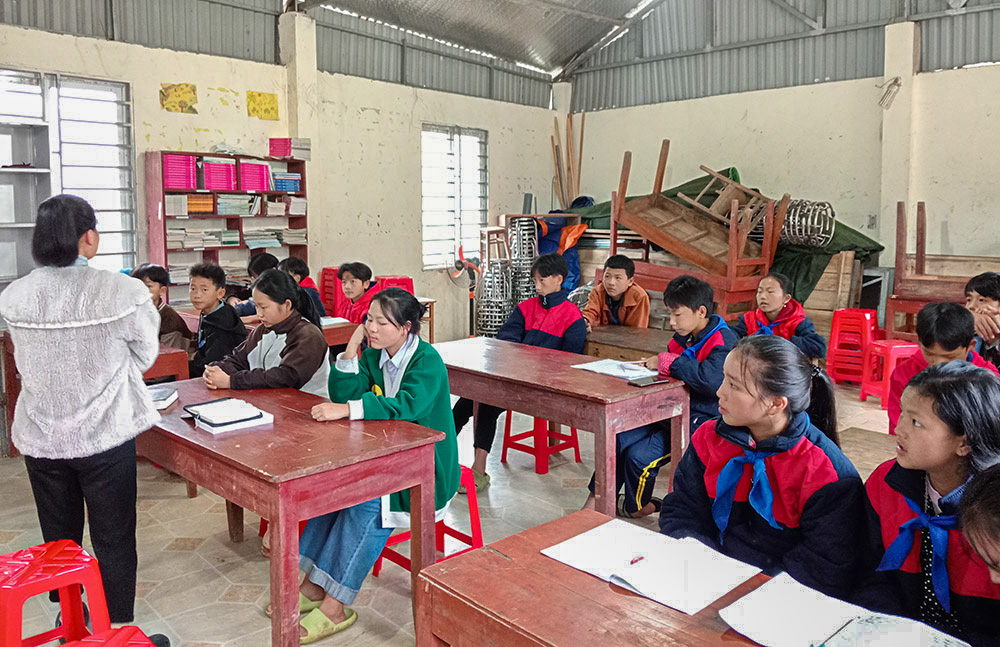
column 80, row 130
column 454, row 192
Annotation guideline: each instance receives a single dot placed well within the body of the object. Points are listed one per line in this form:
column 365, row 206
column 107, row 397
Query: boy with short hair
column 220, row 329
column 982, row 297
column 617, row 300
column 549, row 320
column 299, row 271
column 945, row 333
column 356, row 281
column 258, row 264
column 174, row 331
column 696, row 354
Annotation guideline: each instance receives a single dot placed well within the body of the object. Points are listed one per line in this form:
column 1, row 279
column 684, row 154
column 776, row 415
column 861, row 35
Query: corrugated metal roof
column 79, row 17
column 964, row 39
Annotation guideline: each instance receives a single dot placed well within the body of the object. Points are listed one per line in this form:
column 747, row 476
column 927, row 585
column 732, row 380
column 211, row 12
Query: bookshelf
column 227, row 224
column 25, row 181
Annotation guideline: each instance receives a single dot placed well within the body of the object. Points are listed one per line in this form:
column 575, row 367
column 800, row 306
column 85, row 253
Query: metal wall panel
column 77, row 17
column 348, row 44
column 965, row 39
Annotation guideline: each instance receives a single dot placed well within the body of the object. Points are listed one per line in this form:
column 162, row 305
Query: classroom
column 499, row 322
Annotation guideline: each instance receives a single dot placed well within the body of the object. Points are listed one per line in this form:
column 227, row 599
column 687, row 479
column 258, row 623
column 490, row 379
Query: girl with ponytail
column 767, row 483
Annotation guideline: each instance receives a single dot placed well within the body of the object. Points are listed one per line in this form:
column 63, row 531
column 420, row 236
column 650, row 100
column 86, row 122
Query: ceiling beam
column 581, row 57
column 573, row 11
column 801, row 15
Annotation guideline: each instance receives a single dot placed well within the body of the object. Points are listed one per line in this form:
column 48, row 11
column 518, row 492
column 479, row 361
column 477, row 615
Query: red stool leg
column 11, row 617
column 506, row 436
column 71, row 605
column 263, row 527
column 474, row 524
column 439, row 531
column 541, row 431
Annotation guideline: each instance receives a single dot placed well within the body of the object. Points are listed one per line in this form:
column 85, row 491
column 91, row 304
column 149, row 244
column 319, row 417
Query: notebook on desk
column 228, row 414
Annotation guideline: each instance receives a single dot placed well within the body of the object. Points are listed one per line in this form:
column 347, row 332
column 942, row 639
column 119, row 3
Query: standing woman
column 82, row 339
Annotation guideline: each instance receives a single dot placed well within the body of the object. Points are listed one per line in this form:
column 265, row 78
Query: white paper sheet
column 615, row 368
column 682, row 574
column 329, row 321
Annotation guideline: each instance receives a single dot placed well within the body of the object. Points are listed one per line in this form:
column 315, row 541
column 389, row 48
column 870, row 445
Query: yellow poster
column 179, row 97
column 263, row 105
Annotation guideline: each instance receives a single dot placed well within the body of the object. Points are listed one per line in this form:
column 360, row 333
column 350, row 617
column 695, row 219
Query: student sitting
column 300, row 272
column 917, row 562
column 779, row 314
column 767, row 484
column 174, row 331
column 219, row 328
column 400, row 377
column 617, row 300
column 356, row 281
column 979, row 516
column 945, row 334
column 982, row 297
column 549, row 321
column 258, row 265
column 288, row 349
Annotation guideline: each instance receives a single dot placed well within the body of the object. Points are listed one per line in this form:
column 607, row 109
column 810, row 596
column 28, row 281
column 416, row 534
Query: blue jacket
column 809, row 527
column 703, row 372
column 548, row 322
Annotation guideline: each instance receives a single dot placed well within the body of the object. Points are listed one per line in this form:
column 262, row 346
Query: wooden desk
column 170, row 362
column 509, row 594
column 335, row 334
column 298, row 470
column 429, row 317
column 541, row 383
column 626, row 343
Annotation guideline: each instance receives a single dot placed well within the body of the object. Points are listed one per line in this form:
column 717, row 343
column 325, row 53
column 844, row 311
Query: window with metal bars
column 454, row 192
column 80, row 130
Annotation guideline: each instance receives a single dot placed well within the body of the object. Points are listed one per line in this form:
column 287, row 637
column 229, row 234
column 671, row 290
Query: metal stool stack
column 808, row 223
column 523, row 235
column 494, row 297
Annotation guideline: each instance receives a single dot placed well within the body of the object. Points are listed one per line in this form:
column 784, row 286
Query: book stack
column 228, row 414
column 262, row 237
column 200, row 203
column 230, row 237
column 179, row 172
column 175, row 205
column 179, row 274
column 255, row 176
column 276, row 207
column 293, row 236
column 175, row 237
column 237, row 274
column 296, row 206
column 287, row 181
column 218, row 174
column 238, row 205
column 294, row 147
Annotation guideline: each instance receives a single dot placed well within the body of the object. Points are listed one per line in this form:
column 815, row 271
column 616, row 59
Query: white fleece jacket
column 82, row 339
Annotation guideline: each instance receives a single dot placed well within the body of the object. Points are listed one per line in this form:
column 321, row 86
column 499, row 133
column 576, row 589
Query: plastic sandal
column 305, row 605
column 482, row 480
column 318, row 626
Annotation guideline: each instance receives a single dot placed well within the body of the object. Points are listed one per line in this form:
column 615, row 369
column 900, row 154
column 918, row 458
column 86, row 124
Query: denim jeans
column 337, row 550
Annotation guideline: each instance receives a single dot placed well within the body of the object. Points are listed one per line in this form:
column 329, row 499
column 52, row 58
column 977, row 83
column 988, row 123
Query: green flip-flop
column 305, row 605
column 318, row 626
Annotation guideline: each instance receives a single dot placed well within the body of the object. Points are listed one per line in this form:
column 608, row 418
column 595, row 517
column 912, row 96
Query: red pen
column 636, row 560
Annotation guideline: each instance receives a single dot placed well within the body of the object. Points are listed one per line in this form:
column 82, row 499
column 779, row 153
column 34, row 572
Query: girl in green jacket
column 399, row 377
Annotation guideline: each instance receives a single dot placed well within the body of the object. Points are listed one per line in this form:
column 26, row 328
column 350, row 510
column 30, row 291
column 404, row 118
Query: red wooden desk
column 509, row 594
column 171, row 362
column 336, row 334
column 541, row 383
column 298, row 470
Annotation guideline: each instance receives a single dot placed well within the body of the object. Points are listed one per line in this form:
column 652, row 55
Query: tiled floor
column 201, row 590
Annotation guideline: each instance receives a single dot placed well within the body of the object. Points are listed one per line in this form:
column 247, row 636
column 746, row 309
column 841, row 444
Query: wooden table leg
column 680, row 438
column 423, row 551
column 424, row 616
column 284, row 573
column 605, row 455
column 192, row 489
column 234, row 515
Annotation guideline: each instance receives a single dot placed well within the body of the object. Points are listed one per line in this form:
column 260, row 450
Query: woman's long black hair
column 62, row 220
column 280, row 287
column 400, row 307
column 780, row 369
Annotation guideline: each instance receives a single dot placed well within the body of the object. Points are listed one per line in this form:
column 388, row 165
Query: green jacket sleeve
column 412, row 402
column 346, row 386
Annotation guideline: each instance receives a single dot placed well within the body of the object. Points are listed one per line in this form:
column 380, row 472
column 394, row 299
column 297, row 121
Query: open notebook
column 228, row 414
column 683, row 574
column 616, row 368
column 785, row 613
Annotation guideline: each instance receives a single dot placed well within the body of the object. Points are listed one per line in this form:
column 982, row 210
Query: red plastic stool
column 475, row 540
column 390, row 281
column 541, row 449
column 853, row 330
column 875, row 380
column 121, row 637
column 57, row 565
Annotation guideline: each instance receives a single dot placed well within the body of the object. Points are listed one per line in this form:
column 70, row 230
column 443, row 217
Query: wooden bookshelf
column 158, row 221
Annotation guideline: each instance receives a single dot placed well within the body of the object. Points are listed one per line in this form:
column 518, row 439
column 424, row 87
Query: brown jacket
column 170, row 322
column 634, row 310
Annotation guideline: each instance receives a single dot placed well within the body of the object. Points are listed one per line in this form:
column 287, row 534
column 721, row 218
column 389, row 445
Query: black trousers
column 106, row 484
column 486, row 423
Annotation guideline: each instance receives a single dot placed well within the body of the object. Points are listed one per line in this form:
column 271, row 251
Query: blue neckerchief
column 692, row 351
column 761, row 496
column 768, row 329
column 900, row 548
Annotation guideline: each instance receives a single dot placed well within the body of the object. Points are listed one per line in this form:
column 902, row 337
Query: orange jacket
column 634, row 310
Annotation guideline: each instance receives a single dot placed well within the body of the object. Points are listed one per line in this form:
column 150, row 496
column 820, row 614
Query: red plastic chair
column 57, row 565
column 331, row 293
column 881, row 360
column 541, row 449
column 473, row 541
column 397, row 281
column 121, row 637
column 853, row 331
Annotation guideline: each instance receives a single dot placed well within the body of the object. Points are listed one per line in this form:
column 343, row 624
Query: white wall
column 819, row 142
column 955, row 151
column 370, row 164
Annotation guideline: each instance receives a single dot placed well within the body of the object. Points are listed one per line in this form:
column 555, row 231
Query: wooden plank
column 570, row 160
column 833, row 290
column 579, row 163
column 921, row 257
column 661, row 167
column 558, row 174
column 900, row 245
column 955, row 266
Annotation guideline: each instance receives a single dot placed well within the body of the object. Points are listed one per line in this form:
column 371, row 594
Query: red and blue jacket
column 700, row 365
column 790, row 503
column 973, row 600
column 551, row 321
column 358, row 310
column 791, row 323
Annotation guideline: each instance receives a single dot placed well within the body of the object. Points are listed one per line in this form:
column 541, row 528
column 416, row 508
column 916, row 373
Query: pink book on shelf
column 255, row 177
column 220, row 177
column 281, row 146
column 179, row 172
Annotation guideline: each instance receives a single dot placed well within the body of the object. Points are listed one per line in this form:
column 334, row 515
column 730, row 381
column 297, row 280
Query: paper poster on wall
column 179, row 97
column 263, row 105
